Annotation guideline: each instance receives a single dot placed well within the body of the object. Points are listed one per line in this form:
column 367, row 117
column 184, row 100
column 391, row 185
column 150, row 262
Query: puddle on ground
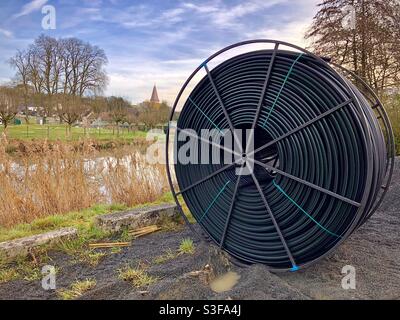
column 224, row 282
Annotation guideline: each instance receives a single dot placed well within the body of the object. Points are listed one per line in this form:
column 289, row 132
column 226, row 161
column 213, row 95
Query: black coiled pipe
column 312, row 187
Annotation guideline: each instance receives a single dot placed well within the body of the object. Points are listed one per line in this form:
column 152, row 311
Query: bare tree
column 370, row 47
column 34, row 76
column 71, row 109
column 19, row 62
column 45, row 105
column 10, row 99
column 132, row 117
column 82, row 66
column 52, row 68
column 152, row 114
column 98, row 105
column 118, row 110
column 68, row 66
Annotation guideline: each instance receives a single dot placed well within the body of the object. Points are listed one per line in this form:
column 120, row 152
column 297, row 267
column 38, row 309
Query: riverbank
column 83, row 220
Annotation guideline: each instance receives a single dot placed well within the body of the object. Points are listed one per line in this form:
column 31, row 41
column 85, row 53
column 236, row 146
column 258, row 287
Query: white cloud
column 229, row 17
column 292, row 32
column 292, row 29
column 31, row 6
column 6, row 33
column 137, row 16
column 93, row 3
column 201, row 8
column 134, row 79
column 217, row 13
column 224, row 16
column 173, row 15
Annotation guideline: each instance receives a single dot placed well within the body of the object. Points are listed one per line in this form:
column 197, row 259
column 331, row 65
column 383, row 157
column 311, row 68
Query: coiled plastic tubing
column 322, row 160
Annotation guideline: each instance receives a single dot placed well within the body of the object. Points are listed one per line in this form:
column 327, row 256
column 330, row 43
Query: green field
column 59, row 131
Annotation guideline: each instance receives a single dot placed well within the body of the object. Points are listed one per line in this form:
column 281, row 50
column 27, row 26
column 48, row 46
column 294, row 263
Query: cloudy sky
column 149, row 41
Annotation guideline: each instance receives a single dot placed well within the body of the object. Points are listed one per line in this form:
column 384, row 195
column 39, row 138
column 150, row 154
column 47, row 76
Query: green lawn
column 59, row 131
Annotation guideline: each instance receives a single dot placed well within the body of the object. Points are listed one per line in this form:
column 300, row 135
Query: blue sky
column 151, row 42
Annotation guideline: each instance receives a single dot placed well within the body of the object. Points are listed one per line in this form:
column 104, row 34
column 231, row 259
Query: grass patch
column 58, row 132
column 168, row 198
column 28, row 270
column 116, row 250
column 8, row 274
column 82, row 220
column 167, row 256
column 186, row 246
column 138, row 277
column 78, row 247
column 167, row 223
column 24, row 267
column 28, row 267
column 124, row 235
column 77, row 289
column 93, row 258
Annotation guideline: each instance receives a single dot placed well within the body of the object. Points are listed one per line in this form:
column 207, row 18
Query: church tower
column 154, row 96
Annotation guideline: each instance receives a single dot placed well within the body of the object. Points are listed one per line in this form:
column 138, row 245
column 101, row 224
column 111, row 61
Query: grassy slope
column 55, row 131
column 82, row 220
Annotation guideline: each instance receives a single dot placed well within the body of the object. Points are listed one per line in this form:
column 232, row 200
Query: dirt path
column 374, row 251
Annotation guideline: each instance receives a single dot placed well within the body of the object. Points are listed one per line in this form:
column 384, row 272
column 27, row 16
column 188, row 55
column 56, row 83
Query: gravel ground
column 374, row 251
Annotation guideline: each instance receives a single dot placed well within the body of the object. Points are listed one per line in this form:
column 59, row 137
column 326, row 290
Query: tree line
column 66, row 78
column 369, row 45
column 70, row 108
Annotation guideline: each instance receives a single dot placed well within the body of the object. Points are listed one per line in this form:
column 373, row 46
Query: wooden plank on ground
column 136, row 233
column 109, row 244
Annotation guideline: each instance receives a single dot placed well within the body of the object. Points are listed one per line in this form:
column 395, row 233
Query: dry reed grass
column 132, row 181
column 62, row 178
